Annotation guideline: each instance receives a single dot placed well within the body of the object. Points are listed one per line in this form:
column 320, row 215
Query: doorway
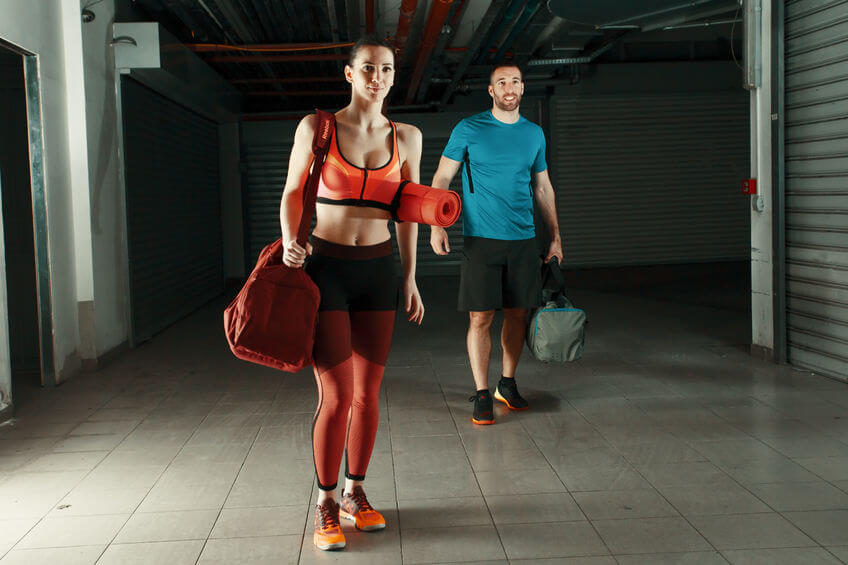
column 24, row 226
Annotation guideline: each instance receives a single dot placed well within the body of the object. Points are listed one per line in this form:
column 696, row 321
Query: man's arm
column 442, row 179
column 546, row 200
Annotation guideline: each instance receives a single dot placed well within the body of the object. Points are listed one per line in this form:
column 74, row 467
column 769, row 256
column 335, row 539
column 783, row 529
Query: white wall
column 44, row 28
column 107, row 218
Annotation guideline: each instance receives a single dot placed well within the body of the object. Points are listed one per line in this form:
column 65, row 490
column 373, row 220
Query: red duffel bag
column 272, row 320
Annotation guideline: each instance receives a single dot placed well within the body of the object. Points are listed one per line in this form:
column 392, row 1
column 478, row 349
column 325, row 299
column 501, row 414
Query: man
column 502, row 153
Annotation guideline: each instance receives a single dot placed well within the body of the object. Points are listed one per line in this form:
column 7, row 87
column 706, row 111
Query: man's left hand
column 555, row 250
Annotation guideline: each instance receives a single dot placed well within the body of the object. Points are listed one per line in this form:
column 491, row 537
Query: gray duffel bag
column 556, row 332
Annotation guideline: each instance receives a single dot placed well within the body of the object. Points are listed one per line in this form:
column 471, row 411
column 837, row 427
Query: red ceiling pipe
column 206, row 47
column 407, row 10
column 288, row 80
column 369, row 16
column 435, row 20
column 298, row 93
column 276, row 58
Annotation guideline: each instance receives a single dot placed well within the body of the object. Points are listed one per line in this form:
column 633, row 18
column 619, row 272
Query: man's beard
column 508, row 106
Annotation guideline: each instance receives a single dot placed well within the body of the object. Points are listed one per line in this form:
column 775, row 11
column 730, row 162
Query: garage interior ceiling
column 286, row 56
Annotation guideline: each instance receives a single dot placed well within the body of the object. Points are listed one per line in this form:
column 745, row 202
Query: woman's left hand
column 412, row 301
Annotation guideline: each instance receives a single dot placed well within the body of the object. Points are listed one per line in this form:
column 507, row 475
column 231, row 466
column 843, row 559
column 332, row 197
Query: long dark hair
column 369, row 40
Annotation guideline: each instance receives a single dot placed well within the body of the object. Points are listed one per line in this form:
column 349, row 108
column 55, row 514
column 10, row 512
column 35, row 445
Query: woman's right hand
column 294, row 255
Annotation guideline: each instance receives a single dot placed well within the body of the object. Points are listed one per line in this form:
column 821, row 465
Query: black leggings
column 356, row 319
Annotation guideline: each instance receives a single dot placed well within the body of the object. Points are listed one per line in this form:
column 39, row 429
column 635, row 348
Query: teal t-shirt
column 498, row 202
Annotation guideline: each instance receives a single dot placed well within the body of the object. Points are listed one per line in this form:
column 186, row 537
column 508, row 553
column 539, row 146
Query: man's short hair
column 504, row 65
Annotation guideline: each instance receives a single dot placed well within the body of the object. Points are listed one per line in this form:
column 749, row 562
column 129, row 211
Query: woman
column 350, row 259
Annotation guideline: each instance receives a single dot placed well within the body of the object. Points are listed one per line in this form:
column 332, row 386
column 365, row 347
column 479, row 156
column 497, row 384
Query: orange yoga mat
column 427, row 205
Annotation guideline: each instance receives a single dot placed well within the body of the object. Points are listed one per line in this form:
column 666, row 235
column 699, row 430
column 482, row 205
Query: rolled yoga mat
column 427, row 205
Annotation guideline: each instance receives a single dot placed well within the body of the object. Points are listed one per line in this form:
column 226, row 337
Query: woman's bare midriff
column 351, row 225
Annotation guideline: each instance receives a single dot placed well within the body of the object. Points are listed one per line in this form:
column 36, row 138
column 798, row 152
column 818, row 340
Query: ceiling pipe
column 277, row 58
column 631, row 19
column 287, row 80
column 213, row 47
column 448, row 33
column 369, row 16
column 693, row 16
column 407, row 10
column 571, row 60
column 703, row 24
column 529, row 11
column 494, row 11
column 297, row 92
column 435, row 20
column 494, row 33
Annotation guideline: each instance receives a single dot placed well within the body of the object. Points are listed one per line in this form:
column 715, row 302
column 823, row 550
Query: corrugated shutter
column 651, row 179
column 816, row 151
column 173, row 209
column 266, row 164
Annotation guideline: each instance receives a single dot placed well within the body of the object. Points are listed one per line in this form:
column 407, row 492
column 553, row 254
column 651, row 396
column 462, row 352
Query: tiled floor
column 667, row 443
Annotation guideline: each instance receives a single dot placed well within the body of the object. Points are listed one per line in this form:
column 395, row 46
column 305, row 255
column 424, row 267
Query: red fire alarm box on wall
column 749, row 186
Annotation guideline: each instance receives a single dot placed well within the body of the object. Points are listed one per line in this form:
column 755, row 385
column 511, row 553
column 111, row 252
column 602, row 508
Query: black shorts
column 499, row 274
column 353, row 278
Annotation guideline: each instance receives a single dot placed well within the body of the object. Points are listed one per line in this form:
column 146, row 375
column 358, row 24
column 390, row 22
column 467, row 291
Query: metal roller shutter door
column 173, row 209
column 816, row 149
column 266, row 165
column 651, row 179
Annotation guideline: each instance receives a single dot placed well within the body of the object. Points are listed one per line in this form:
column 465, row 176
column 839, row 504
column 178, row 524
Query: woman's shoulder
column 408, row 133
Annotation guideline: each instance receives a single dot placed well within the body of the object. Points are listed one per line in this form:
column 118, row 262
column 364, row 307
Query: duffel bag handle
column 556, row 274
column 320, row 147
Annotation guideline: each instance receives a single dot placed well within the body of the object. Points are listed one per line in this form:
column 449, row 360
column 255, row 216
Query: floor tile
column 827, row 527
column 532, row 508
column 828, row 468
column 152, row 553
column 260, row 522
column 553, row 539
column 167, row 526
column 84, row 501
column 750, row 531
column 83, row 555
column 11, row 531
column 788, row 556
column 840, row 552
column 276, row 550
column 601, row 505
column 711, row 499
column 73, row 531
column 801, row 496
column 443, row 512
column 690, row 558
column 527, row 481
column 650, row 535
column 595, row 560
column 687, row 473
column 467, row 543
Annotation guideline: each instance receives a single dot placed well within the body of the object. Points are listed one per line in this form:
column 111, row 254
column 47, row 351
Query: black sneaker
column 483, row 409
column 507, row 392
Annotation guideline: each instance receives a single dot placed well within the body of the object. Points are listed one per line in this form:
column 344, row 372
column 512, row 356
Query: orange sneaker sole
column 483, row 422
column 505, row 401
column 352, row 518
column 328, row 546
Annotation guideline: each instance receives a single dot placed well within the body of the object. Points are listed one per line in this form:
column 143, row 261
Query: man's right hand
column 439, row 240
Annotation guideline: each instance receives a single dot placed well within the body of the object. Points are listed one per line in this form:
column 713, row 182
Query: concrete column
column 762, row 260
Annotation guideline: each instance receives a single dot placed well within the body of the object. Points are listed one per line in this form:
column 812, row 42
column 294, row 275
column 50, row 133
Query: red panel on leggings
column 351, row 349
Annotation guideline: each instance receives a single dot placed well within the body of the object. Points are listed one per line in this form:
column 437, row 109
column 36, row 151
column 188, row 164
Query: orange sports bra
column 346, row 184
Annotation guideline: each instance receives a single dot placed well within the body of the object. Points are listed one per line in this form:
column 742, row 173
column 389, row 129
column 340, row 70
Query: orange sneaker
column 355, row 507
column 328, row 532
